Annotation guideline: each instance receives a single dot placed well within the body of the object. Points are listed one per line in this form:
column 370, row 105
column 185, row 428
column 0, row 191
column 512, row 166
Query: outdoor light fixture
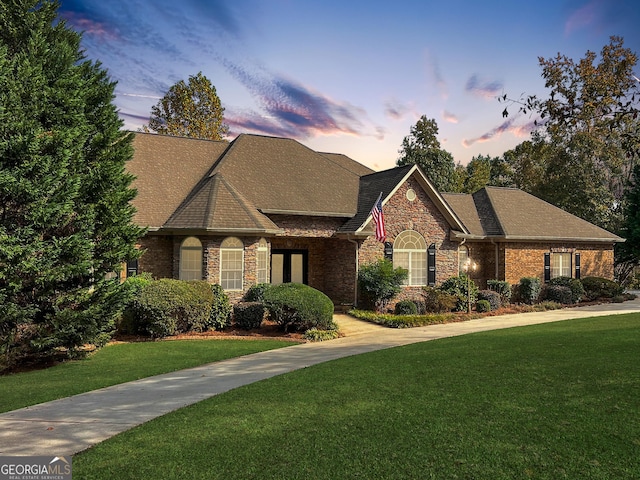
column 468, row 267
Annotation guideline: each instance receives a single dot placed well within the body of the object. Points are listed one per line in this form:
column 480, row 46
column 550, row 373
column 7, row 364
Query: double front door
column 289, row 266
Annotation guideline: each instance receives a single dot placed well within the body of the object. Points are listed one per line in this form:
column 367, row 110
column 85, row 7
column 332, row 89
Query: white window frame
column 232, row 264
column 410, row 253
column 262, row 262
column 561, row 264
column 190, row 259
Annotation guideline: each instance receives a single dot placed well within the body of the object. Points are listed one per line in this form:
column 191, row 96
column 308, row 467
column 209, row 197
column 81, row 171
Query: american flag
column 378, row 219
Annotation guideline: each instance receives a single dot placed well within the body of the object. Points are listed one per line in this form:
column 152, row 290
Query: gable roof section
column 216, row 206
column 166, row 170
column 282, row 176
column 523, row 215
column 387, row 182
column 511, row 214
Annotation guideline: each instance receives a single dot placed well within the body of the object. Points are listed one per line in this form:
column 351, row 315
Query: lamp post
column 468, row 267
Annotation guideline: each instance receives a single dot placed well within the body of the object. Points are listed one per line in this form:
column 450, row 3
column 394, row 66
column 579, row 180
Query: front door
column 289, row 266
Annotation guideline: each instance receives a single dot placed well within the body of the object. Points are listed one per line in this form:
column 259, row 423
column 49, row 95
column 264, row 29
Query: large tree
column 422, row 147
column 190, row 109
column 65, row 212
column 628, row 253
column 589, row 125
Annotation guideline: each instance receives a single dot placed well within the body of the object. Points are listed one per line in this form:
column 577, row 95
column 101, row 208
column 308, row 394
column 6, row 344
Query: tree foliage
column 190, row 109
column 422, row 147
column 588, row 138
column 628, row 253
column 65, row 213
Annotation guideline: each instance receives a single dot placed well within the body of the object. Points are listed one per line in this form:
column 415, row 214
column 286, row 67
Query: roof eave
column 455, row 235
column 307, row 213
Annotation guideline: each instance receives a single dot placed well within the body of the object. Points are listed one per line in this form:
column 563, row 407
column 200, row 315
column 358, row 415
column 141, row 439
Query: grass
column 119, row 363
column 551, row 401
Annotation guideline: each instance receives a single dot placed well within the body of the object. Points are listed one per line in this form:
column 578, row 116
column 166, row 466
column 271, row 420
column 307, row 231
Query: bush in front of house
column 575, row 285
column 220, row 316
column 165, row 307
column 256, row 292
column 298, row 307
column 528, row 290
column 597, row 287
column 437, row 301
column 379, row 282
column 492, row 297
column 248, row 315
column 503, row 288
column 483, row 306
column 457, row 286
column 406, row 307
column 130, row 288
column 559, row 293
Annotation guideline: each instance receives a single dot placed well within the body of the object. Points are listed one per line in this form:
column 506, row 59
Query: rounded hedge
column 248, row 315
column 406, row 307
column 492, row 297
column 575, row 285
column 483, row 306
column 559, row 293
column 298, row 307
column 597, row 287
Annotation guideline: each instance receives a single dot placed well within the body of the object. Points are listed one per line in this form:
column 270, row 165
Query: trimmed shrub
column 131, row 288
column 256, row 292
column 575, row 285
column 248, row 315
column 503, row 288
column 483, row 306
column 379, row 282
column 529, row 290
column 406, row 307
column 199, row 292
column 437, row 301
column 165, row 307
column 490, row 296
column 221, row 309
column 597, row 287
column 299, row 307
column 559, row 293
column 316, row 335
column 457, row 286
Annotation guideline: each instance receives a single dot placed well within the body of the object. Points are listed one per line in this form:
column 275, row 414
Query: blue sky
column 349, row 76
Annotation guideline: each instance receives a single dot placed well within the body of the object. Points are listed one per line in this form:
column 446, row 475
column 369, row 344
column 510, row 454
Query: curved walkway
column 70, row 425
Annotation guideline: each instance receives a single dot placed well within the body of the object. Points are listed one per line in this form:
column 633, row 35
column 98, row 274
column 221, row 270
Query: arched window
column 191, row 259
column 231, row 263
column 463, row 257
column 262, row 262
column 410, row 253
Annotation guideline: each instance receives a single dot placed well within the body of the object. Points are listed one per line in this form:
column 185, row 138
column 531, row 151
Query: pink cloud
column 90, row 27
column 520, row 131
column 583, row 17
column 483, row 88
column 449, row 117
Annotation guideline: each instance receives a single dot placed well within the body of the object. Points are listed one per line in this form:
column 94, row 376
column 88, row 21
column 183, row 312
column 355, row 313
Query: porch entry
column 289, row 266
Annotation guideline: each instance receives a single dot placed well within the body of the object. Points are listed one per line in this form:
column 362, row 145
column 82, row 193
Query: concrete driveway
column 69, row 425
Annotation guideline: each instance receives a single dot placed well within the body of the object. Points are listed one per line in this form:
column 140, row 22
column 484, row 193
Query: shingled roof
column 197, row 184
column 509, row 213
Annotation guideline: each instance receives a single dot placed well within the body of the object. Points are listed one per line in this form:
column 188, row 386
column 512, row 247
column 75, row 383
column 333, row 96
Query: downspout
column 355, row 289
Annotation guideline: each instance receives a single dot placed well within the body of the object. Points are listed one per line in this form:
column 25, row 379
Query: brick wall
column 157, row 258
column 422, row 216
column 527, row 260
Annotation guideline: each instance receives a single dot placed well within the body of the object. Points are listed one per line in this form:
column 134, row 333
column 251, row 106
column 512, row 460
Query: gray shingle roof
column 512, row 214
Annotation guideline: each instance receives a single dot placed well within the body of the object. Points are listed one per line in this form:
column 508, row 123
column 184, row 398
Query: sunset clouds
column 341, row 77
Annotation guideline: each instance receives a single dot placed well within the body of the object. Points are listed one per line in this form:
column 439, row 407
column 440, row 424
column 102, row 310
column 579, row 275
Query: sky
column 349, row 76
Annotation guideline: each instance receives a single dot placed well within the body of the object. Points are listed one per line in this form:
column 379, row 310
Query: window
column 560, row 265
column 410, row 253
column 262, row 261
column 463, row 256
column 231, row 263
column 191, row 259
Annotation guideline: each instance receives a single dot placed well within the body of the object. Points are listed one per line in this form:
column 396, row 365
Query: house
column 263, row 209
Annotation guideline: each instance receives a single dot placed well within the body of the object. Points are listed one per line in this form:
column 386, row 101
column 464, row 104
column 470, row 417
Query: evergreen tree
column 65, row 212
column 190, row 110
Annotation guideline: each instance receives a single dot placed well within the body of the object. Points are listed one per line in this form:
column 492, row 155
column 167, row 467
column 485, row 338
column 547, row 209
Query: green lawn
column 119, row 363
column 553, row 401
